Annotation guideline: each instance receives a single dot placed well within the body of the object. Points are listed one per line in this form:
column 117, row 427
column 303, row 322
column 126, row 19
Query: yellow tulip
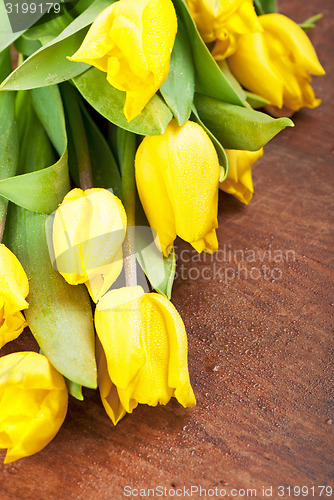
column 224, row 21
column 239, row 180
column 33, row 403
column 14, row 288
column 142, row 352
column 132, row 41
column 276, row 64
column 177, row 176
column 88, row 231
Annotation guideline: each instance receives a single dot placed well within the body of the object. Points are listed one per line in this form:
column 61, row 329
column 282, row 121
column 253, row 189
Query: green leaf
column 105, row 170
column 39, row 155
column 159, row 270
column 48, row 66
column 7, row 37
column 310, row 22
column 74, row 389
column 236, row 127
column 9, row 147
column 59, row 315
column 222, row 156
column 49, row 108
column 255, row 101
column 47, row 30
column 32, row 190
column 209, row 78
column 109, row 102
column 225, row 69
column 265, row 7
column 26, row 47
column 178, row 89
column 87, row 144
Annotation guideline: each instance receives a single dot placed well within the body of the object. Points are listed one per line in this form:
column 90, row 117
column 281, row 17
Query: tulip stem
column 2, row 226
column 74, row 116
column 126, row 142
column 129, row 252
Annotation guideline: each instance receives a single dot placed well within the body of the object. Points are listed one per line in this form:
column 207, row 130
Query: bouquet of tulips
column 120, row 121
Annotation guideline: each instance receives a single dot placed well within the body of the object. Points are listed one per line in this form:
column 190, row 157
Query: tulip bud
column 177, row 176
column 142, row 354
column 276, row 64
column 88, row 231
column 33, row 403
column 132, row 41
column 239, row 180
column 14, row 287
column 224, row 22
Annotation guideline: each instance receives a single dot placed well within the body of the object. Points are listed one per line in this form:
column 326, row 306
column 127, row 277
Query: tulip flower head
column 14, row 288
column 132, row 41
column 88, row 231
column 33, row 403
column 224, row 21
column 276, row 64
column 177, row 177
column 239, row 180
column 142, row 352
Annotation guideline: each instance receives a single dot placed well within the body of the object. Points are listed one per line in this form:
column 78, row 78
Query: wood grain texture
column 259, row 345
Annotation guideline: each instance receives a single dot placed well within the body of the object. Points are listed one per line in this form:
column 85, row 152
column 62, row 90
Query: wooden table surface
column 259, row 343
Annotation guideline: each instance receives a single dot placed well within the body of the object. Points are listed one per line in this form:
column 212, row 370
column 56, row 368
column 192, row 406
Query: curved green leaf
column 109, row 102
column 178, row 89
column 159, row 270
column 26, row 47
column 209, row 78
column 7, row 37
column 9, row 147
column 42, row 190
column 236, row 127
column 49, row 109
column 48, row 66
column 310, row 22
column 225, row 69
column 255, row 101
column 74, row 389
column 265, row 6
column 38, row 191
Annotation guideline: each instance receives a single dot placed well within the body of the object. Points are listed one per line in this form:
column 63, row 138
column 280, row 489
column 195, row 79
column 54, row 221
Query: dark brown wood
column 259, row 345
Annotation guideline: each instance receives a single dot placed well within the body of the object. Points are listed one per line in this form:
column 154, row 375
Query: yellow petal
column 252, row 66
column 33, row 403
column 11, row 326
column 14, row 285
column 178, row 376
column 101, row 279
column 118, row 325
column 132, row 42
column 142, row 354
column 88, row 230
column 97, row 42
column 108, row 390
column 295, row 40
column 239, row 181
column 224, row 22
column 169, row 172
